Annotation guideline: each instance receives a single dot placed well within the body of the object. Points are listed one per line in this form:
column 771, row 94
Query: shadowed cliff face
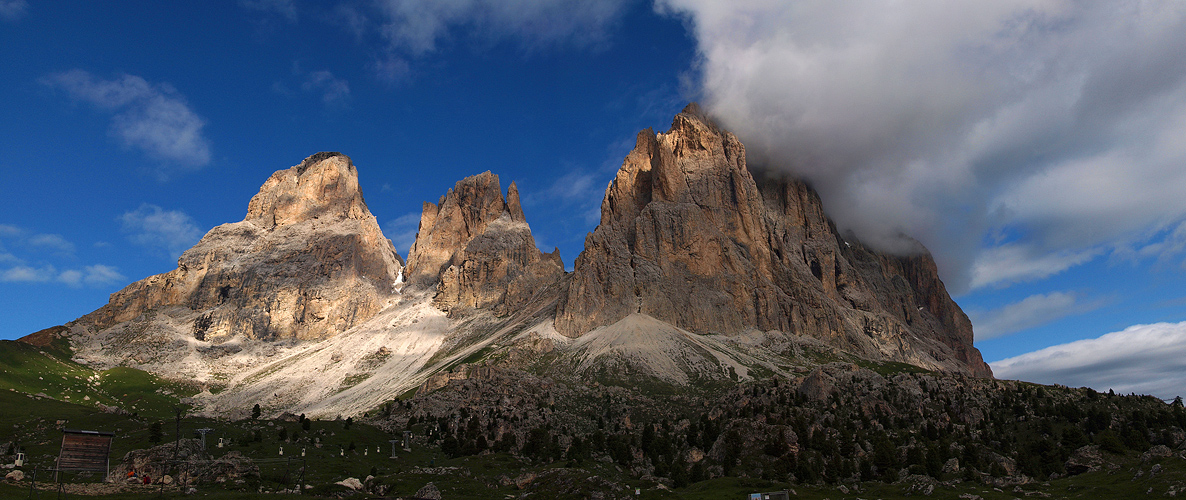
column 308, row 262
column 689, row 236
column 477, row 248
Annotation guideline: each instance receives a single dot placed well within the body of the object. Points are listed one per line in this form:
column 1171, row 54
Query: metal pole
column 301, row 481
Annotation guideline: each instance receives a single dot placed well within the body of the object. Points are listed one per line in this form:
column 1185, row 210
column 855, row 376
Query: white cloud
column 152, row 118
column 1059, row 121
column 1146, row 359
column 12, row 10
column 169, row 230
column 1032, row 311
column 402, row 232
column 416, row 26
column 284, row 8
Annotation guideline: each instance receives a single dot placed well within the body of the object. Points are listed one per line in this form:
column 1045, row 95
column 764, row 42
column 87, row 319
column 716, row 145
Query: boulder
column 352, row 483
column 429, row 492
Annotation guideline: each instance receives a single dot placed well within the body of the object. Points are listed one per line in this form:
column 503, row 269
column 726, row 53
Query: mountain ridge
column 700, row 272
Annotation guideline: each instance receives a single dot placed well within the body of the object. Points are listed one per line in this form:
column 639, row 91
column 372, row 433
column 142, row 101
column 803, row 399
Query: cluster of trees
column 943, row 427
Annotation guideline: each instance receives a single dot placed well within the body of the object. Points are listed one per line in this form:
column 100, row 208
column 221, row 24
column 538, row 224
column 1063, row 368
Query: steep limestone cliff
column 477, row 248
column 689, row 236
column 307, row 262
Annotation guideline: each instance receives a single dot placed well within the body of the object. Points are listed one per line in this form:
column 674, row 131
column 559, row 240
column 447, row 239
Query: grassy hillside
column 841, row 432
column 47, row 372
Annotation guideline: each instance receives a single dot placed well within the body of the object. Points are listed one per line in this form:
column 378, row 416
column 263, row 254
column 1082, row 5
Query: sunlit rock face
column 690, row 236
column 308, row 261
column 476, row 247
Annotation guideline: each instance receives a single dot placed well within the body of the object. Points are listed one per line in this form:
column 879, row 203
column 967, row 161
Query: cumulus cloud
column 153, row 118
column 1032, row 311
column 1058, row 121
column 402, row 232
column 1146, row 359
column 171, row 231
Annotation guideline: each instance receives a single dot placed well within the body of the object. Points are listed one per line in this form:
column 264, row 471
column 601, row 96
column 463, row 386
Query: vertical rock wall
column 690, row 237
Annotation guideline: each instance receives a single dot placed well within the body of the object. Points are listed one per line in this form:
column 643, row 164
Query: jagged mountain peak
column 689, row 236
column 323, row 185
column 476, row 246
column 307, row 262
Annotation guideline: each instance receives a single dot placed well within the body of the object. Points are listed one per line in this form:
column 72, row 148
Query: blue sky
column 1038, row 148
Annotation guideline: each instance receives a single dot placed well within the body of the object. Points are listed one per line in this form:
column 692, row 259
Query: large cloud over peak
column 1058, row 121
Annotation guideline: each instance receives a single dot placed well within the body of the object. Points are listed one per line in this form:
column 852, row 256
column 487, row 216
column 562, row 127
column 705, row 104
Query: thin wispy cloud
column 283, row 8
column 418, row 26
column 169, row 231
column 1145, row 359
column 1017, row 263
column 153, row 118
column 402, row 232
column 93, row 276
column 1030, row 312
column 1060, row 122
column 578, row 191
column 51, row 242
column 333, row 90
column 410, row 29
column 11, row 10
column 38, row 247
column 30, row 242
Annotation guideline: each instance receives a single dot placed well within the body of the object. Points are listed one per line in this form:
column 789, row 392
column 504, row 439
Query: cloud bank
column 1145, row 359
column 153, row 118
column 1048, row 130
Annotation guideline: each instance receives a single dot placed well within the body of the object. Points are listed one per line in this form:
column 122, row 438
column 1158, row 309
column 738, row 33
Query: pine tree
column 154, row 432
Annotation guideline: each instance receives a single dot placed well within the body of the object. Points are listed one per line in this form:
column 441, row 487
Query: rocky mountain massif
column 701, row 272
